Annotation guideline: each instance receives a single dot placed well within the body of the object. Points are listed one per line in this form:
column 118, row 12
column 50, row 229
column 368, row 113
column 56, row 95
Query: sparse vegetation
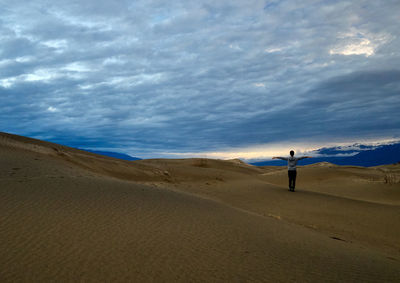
column 391, row 178
column 200, row 163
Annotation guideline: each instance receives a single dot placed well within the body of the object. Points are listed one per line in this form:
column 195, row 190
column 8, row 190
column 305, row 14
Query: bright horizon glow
column 267, row 151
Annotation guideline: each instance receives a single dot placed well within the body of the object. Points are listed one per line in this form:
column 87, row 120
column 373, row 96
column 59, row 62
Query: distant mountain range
column 113, row 154
column 360, row 155
column 357, row 155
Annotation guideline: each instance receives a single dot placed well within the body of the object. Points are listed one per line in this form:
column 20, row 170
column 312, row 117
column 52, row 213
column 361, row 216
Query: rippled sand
column 67, row 215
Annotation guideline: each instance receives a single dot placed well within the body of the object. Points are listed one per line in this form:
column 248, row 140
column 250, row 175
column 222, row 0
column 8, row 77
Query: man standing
column 292, row 162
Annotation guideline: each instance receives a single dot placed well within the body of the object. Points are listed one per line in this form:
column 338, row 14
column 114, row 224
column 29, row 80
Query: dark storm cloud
column 360, row 104
column 148, row 77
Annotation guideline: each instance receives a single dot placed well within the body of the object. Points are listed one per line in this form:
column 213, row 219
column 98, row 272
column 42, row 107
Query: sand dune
column 69, row 215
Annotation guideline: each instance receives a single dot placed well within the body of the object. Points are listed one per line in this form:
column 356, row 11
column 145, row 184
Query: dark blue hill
column 385, row 154
column 113, row 154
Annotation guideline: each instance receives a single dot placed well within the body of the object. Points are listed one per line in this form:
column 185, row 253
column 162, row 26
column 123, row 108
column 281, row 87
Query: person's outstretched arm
column 277, row 157
column 304, row 157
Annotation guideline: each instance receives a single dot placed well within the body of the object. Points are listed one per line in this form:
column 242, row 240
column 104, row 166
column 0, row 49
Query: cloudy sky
column 182, row 78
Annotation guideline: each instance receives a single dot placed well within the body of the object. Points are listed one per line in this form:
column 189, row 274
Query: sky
column 223, row 79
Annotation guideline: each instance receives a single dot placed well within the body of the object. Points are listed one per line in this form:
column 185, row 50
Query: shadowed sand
column 68, row 215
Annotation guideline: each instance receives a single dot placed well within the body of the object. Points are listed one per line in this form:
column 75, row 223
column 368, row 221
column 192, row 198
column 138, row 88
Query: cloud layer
column 153, row 78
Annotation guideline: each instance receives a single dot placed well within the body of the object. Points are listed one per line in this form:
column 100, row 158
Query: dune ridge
column 71, row 215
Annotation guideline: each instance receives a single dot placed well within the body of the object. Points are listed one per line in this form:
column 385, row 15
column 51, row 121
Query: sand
column 68, row 215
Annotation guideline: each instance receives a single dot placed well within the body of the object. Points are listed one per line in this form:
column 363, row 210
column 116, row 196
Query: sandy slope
column 67, row 215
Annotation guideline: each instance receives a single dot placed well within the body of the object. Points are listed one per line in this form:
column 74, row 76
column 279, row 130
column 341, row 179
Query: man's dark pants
column 292, row 179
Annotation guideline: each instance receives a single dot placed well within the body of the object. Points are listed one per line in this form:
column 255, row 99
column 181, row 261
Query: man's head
column 291, row 153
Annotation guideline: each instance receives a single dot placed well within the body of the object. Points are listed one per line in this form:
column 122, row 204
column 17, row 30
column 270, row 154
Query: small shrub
column 391, row 179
